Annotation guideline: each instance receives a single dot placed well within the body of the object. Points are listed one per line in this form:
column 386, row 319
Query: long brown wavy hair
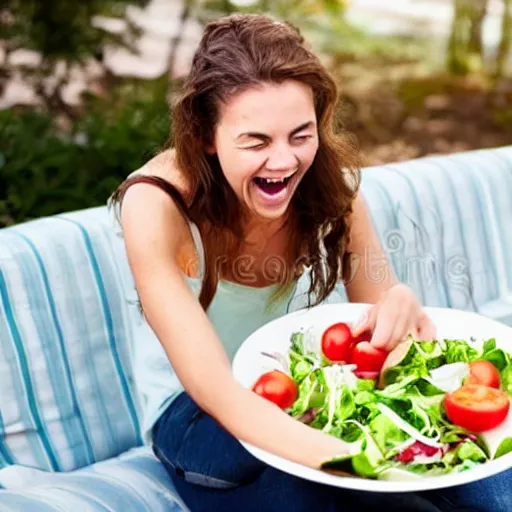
column 235, row 53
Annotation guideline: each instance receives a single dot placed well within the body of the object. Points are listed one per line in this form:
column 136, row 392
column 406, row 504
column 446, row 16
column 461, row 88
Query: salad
column 423, row 409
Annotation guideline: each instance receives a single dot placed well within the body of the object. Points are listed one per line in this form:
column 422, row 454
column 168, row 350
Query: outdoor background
column 85, row 84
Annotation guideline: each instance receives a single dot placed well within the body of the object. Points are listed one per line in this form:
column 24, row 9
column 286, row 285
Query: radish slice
column 423, row 459
column 401, row 447
column 366, row 375
column 408, row 429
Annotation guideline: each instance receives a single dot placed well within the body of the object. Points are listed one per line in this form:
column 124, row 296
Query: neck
column 256, row 229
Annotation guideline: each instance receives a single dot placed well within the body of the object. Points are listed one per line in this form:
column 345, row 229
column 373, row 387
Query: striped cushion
column 67, row 396
column 135, row 481
column 443, row 223
column 67, row 312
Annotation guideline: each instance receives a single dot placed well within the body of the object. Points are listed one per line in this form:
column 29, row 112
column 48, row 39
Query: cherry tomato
column 483, row 372
column 364, row 336
column 277, row 387
column 367, row 357
column 337, row 341
column 477, row 408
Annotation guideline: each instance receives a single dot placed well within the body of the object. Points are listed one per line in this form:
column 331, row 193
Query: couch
column 70, row 434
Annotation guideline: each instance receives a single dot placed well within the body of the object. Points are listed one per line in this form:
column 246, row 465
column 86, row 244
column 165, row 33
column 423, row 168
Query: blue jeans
column 211, row 471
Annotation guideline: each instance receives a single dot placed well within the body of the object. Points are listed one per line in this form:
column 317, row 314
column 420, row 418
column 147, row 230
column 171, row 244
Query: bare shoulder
column 164, row 166
column 149, row 216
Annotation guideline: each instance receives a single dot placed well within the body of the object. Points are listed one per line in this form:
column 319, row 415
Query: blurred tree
column 477, row 16
column 63, row 33
column 465, row 47
column 299, row 9
column 466, row 53
column 297, row 12
column 506, row 35
column 186, row 12
column 44, row 171
column 325, row 26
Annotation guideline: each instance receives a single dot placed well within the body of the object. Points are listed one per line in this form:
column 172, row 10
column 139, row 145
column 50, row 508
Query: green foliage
column 64, row 157
column 290, row 10
column 325, row 26
column 465, row 52
column 506, row 39
column 45, row 170
column 63, row 32
column 62, row 29
column 344, row 42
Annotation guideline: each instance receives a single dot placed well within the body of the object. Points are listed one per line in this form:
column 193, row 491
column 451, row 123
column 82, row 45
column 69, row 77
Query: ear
column 210, row 146
column 210, row 149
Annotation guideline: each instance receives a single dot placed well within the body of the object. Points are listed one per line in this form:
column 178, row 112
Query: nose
column 281, row 158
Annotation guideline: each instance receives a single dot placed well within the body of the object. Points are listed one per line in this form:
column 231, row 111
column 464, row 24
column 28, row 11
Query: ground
column 434, row 115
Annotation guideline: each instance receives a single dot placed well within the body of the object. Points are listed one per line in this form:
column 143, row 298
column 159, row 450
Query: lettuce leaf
column 306, row 395
column 302, row 360
column 381, row 423
column 506, row 378
column 419, row 360
column 387, row 435
column 459, row 351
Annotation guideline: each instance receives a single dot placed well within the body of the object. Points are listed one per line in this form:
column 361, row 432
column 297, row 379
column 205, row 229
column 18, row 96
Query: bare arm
column 154, row 231
column 396, row 311
column 372, row 274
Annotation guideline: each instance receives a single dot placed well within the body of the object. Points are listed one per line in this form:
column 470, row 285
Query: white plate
column 249, row 364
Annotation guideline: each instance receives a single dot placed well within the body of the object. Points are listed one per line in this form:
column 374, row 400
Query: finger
column 400, row 333
column 393, row 325
column 384, row 327
column 366, row 322
column 426, row 329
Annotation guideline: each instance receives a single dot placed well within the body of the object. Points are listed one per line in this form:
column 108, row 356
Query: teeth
column 263, row 179
column 276, row 180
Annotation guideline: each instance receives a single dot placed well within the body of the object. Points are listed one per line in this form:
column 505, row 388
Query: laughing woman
column 257, row 180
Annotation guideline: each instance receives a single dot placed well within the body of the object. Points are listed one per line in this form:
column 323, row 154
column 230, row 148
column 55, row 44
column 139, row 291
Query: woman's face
column 265, row 140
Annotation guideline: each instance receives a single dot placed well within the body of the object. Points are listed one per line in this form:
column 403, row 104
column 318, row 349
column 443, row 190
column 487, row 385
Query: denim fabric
column 213, row 471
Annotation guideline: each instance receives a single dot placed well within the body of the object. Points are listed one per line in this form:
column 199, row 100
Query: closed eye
column 297, row 139
column 302, row 138
column 256, row 146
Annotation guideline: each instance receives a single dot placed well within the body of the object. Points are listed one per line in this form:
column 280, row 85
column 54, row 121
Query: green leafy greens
column 402, row 426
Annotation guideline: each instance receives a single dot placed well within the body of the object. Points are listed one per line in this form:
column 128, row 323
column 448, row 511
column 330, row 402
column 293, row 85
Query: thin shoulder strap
column 118, row 195
column 171, row 190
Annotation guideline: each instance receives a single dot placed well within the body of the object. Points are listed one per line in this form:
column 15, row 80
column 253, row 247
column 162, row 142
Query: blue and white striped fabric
column 133, row 482
column 443, row 221
column 68, row 311
column 67, row 397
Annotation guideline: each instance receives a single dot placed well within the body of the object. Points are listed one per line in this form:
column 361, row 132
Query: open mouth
column 272, row 186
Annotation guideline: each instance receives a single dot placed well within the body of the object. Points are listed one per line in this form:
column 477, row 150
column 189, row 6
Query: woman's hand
column 395, row 316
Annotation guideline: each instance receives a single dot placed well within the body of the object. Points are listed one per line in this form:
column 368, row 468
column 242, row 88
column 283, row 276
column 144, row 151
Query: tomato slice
column 367, row 358
column 337, row 341
column 483, row 372
column 278, row 387
column 477, row 408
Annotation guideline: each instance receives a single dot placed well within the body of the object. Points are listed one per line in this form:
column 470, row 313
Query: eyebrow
column 263, row 136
